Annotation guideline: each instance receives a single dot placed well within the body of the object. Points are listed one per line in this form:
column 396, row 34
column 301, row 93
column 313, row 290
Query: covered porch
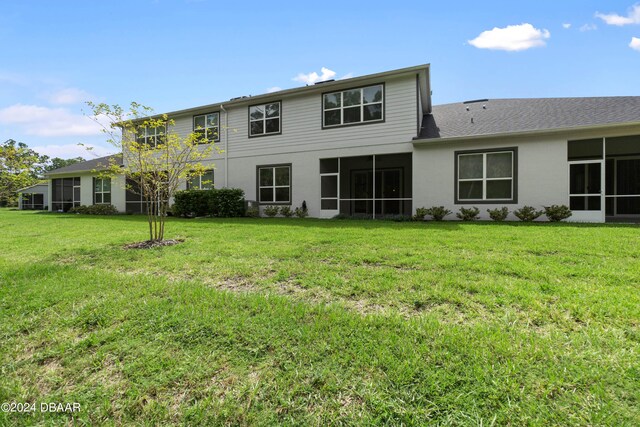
column 372, row 186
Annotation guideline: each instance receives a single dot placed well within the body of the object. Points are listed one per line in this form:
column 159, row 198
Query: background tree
column 155, row 158
column 20, row 167
column 57, row 163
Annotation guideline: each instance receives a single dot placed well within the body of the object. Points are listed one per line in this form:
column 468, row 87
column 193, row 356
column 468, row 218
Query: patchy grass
column 309, row 322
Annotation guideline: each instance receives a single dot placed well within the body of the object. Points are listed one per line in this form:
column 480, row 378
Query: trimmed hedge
column 220, row 202
column 94, row 210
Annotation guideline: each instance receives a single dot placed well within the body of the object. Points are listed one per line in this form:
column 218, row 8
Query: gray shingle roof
column 100, row 163
column 504, row 116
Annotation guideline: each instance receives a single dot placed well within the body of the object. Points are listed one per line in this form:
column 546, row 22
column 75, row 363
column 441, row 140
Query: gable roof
column 101, row 163
column 44, row 185
column 512, row 116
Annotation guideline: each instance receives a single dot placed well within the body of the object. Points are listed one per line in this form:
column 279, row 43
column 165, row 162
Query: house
column 34, row 197
column 375, row 146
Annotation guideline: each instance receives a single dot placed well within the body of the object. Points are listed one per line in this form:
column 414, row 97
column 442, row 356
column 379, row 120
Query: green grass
column 310, row 322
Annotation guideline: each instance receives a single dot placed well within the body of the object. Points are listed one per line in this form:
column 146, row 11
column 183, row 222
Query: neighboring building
column 34, row 197
column 375, row 146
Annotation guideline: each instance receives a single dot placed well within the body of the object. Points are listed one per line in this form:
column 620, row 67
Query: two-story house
column 375, row 146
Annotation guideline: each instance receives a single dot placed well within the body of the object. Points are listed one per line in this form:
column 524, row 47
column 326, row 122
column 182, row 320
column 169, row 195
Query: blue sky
column 174, row 54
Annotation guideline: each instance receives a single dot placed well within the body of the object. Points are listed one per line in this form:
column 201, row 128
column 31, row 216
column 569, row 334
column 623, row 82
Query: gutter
column 544, row 132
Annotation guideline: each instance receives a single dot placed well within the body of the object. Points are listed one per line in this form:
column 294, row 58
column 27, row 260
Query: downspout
column 226, row 146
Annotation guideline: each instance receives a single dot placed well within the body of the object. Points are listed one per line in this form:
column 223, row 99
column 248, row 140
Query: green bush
column 420, row 214
column 286, row 211
column 94, row 210
column 302, row 211
column 227, row 202
column 271, row 211
column 527, row 213
column 468, row 214
column 438, row 212
column 557, row 213
column 253, row 213
column 498, row 214
column 222, row 202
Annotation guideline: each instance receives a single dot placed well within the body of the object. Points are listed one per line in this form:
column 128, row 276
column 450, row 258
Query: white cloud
column 313, row 77
column 68, row 96
column 274, row 89
column 566, row 26
column 512, row 38
column 68, row 151
column 45, row 121
column 633, row 17
column 635, row 43
column 588, row 27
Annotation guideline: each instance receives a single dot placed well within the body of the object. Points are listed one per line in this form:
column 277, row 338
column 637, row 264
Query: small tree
column 154, row 158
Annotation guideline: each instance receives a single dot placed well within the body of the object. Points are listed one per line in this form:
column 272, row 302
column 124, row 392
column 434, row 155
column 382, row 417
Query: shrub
column 271, row 211
column 253, row 213
column 468, row 214
column 438, row 212
column 397, row 218
column 286, row 211
column 94, row 210
column 557, row 213
column 527, row 213
column 341, row 216
column 302, row 211
column 498, row 214
column 420, row 214
column 223, row 202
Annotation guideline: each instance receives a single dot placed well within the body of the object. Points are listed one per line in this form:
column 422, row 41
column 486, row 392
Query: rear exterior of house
column 374, row 146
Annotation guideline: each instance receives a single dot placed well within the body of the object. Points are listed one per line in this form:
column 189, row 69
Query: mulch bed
column 148, row 244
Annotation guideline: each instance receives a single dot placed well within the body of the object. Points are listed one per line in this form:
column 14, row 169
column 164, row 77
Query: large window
column 264, row 119
column 65, row 193
column 151, row 136
column 201, row 182
column 486, row 176
column 102, row 191
column 274, row 184
column 207, row 126
column 353, row 106
column 32, row 201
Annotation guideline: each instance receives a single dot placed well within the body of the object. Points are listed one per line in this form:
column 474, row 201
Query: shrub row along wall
column 222, row 202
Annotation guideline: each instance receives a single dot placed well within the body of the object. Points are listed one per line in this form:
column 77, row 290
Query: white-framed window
column 353, row 106
column 102, row 191
column 329, row 183
column 201, row 182
column 274, row 184
column 264, row 119
column 207, row 126
column 486, row 176
column 151, row 136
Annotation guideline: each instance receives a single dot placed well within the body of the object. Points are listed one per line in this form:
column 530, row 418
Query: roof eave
column 428, row 141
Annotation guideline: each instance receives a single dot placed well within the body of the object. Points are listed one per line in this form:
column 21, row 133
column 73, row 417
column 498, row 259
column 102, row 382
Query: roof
column 422, row 70
column 101, row 163
column 40, row 184
column 524, row 115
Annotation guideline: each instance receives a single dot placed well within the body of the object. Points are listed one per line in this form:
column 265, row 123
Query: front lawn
column 311, row 322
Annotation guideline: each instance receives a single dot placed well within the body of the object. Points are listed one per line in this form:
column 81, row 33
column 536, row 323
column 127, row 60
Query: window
column 102, row 191
column 329, row 183
column 274, row 184
column 32, row 201
column 264, row 119
column 353, row 106
column 151, row 136
column 202, row 182
column 207, row 126
column 65, row 193
column 486, row 176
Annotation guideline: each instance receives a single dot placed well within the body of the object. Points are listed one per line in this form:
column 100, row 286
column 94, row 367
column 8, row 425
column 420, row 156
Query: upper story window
column 102, row 191
column 201, row 182
column 353, row 106
column 264, row 119
column 488, row 176
column 151, row 136
column 207, row 126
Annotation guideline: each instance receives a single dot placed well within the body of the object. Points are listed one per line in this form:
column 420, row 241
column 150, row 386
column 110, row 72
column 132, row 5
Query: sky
column 175, row 54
